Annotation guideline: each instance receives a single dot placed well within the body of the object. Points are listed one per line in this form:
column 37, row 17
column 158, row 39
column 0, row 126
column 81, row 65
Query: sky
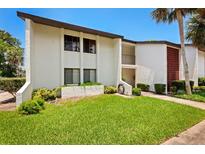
column 133, row 24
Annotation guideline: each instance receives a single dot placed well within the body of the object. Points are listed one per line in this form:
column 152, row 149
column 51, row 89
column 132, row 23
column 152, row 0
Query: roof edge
column 59, row 24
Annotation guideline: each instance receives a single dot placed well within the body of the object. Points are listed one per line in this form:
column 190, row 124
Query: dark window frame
column 89, row 75
column 71, row 69
column 71, row 39
column 87, row 45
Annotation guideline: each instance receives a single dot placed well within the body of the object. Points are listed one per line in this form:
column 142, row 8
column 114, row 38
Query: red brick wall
column 172, row 65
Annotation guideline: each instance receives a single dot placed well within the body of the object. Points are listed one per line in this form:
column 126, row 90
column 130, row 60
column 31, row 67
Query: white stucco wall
column 192, row 60
column 49, row 58
column 151, row 62
column 201, row 64
column 46, row 58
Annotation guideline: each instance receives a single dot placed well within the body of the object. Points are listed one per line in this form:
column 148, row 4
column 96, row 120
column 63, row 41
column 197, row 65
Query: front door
column 172, row 65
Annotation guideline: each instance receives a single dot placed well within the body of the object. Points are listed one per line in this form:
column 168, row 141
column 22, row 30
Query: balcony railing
column 128, row 59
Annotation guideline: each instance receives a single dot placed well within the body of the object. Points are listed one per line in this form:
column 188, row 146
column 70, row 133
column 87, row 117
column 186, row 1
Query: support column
column 81, row 57
column 62, row 56
column 98, row 59
column 118, row 50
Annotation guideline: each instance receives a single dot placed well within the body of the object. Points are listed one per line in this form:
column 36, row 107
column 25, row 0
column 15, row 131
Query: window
column 71, row 76
column 71, row 43
column 89, row 46
column 89, row 75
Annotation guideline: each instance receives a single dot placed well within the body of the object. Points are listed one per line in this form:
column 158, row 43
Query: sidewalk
column 176, row 100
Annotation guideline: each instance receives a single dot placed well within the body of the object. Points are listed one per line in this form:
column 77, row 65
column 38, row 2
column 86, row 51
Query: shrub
column 173, row 90
column 201, row 81
column 57, row 92
column 180, row 84
column 160, row 88
column 90, row 84
column 31, row 106
column 199, row 89
column 44, row 93
column 110, row 90
column 136, row 91
column 143, row 87
column 11, row 85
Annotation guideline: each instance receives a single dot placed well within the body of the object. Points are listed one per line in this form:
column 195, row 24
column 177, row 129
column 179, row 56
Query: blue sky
column 134, row 24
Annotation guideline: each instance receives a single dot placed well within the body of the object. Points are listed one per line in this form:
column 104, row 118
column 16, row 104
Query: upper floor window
column 89, row 46
column 71, row 43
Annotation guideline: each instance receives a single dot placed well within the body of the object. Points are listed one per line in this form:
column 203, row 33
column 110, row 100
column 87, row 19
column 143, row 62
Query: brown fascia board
column 58, row 24
column 160, row 42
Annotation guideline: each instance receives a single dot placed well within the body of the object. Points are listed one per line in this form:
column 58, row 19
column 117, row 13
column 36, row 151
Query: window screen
column 71, row 76
column 89, row 75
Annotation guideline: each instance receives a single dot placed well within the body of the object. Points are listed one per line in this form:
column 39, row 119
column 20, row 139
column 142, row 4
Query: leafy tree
column 169, row 15
column 10, row 55
column 196, row 29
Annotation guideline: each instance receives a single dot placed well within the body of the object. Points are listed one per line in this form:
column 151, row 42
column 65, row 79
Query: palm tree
column 196, row 29
column 169, row 15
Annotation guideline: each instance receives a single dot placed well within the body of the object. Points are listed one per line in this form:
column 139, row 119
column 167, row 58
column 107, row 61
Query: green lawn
column 105, row 119
column 199, row 96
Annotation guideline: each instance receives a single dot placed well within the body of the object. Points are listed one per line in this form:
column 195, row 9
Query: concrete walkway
column 176, row 100
column 8, row 107
column 192, row 136
column 6, row 97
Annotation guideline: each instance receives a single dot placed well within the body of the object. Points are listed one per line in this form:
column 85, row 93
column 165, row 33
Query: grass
column 197, row 96
column 105, row 119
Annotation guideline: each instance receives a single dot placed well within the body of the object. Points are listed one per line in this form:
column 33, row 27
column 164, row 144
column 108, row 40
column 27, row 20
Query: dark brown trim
column 58, row 24
column 160, row 42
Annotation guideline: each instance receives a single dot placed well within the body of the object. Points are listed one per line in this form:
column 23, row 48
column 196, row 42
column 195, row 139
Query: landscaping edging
column 80, row 91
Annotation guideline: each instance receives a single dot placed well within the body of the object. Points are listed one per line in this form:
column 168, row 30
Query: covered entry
column 172, row 65
column 128, row 75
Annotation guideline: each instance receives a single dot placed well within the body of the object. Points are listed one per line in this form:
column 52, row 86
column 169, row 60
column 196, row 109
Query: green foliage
column 11, row 85
column 57, row 92
column 44, row 93
column 199, row 89
column 136, row 91
column 110, row 90
column 201, row 81
column 143, row 87
column 31, row 106
column 90, row 84
column 10, row 55
column 180, row 84
column 198, row 96
column 160, row 88
column 196, row 28
column 173, row 90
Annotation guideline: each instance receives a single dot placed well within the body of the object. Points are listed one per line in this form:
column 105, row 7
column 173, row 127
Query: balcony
column 128, row 59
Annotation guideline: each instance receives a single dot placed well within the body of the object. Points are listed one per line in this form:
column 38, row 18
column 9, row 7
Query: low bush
column 44, row 93
column 173, row 90
column 180, row 84
column 31, row 106
column 90, row 84
column 136, row 91
column 201, row 81
column 160, row 88
column 110, row 90
column 11, row 85
column 199, row 89
column 143, row 87
column 57, row 92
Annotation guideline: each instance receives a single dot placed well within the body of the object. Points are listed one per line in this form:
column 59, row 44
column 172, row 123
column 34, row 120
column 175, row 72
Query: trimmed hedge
column 11, row 85
column 31, row 106
column 110, row 90
column 136, row 91
column 90, row 84
column 199, row 89
column 160, row 88
column 143, row 87
column 180, row 84
column 201, row 81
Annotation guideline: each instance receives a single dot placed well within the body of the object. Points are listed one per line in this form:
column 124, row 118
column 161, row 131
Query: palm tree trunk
column 186, row 69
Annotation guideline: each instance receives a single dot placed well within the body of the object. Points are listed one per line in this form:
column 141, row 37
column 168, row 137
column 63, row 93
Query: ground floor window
column 89, row 75
column 71, row 76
